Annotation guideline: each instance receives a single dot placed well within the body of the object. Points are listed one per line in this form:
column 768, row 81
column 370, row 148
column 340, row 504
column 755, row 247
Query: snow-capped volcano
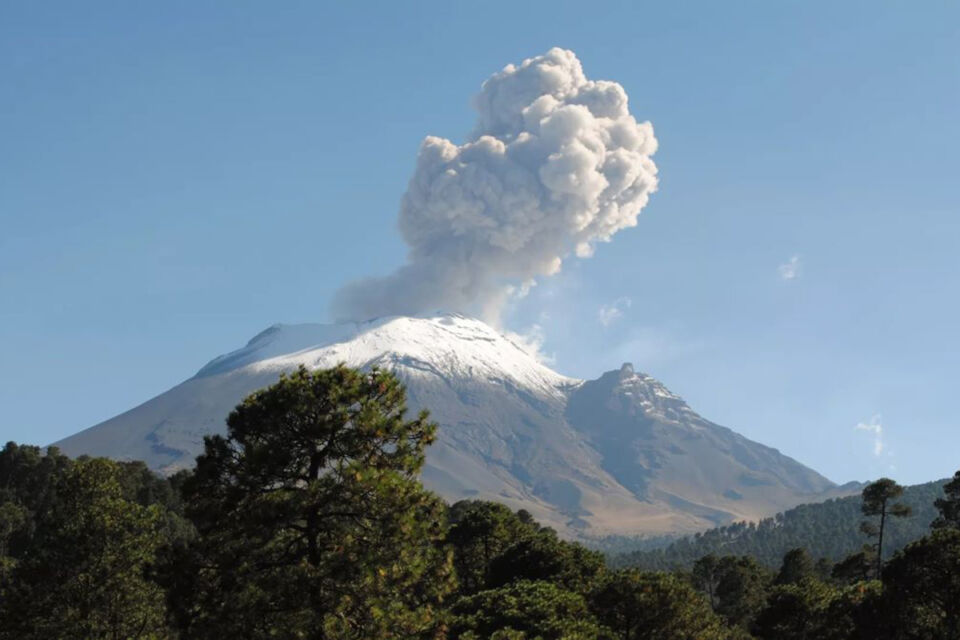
column 445, row 345
column 620, row 454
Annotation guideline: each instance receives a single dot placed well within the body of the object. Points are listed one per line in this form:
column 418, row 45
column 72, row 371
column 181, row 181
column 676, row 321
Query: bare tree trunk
column 883, row 519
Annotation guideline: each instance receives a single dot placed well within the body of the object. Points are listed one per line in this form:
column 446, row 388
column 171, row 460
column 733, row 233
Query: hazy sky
column 176, row 177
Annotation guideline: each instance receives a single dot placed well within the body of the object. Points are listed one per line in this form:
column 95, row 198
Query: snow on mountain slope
column 449, row 345
column 587, row 458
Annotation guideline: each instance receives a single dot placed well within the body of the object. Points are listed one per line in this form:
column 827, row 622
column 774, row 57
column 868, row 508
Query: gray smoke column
column 556, row 164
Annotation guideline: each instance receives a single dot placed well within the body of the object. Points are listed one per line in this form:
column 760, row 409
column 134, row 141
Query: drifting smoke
column 556, row 164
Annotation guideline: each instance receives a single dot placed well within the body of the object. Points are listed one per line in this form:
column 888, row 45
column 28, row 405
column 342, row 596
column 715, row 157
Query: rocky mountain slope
column 617, row 455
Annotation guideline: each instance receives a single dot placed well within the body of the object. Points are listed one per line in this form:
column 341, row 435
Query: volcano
column 619, row 455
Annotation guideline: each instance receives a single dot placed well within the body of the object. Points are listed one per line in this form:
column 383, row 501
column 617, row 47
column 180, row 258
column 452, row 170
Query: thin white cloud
column 874, row 426
column 610, row 313
column 790, row 270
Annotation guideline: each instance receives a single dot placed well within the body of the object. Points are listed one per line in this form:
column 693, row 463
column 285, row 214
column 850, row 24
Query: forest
column 307, row 520
column 828, row 530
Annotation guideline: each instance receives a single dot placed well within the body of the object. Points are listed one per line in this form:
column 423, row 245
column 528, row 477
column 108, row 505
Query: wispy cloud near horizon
column 610, row 313
column 874, row 426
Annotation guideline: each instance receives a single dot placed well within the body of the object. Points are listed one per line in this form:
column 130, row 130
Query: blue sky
column 174, row 177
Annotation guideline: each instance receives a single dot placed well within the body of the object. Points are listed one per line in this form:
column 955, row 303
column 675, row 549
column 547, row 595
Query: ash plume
column 556, row 164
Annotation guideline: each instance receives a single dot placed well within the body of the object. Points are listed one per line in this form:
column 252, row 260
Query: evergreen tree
column 949, row 505
column 634, row 605
column 311, row 520
column 545, row 557
column 878, row 500
column 857, row 613
column 857, row 567
column 706, row 577
column 480, row 532
column 823, row 570
column 922, row 587
column 13, row 518
column 29, row 480
column 83, row 575
column 830, row 530
column 795, row 611
column 535, row 609
column 308, row 521
column 741, row 590
column 797, row 566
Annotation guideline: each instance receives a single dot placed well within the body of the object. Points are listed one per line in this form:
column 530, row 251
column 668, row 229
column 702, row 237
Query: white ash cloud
column 556, row 164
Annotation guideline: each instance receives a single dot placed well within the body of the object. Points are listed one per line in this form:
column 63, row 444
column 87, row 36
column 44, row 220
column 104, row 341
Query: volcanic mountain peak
column 448, row 345
column 620, row 454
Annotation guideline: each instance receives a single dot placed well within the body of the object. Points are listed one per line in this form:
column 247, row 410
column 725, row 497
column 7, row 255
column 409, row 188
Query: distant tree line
column 830, row 530
column 308, row 520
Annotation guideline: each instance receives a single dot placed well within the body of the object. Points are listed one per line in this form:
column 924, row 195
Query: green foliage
column 634, row 605
column 741, row 589
column 922, row 587
column 480, row 532
column 517, row 579
column 543, row 556
column 797, row 566
column 857, row 567
column 877, row 496
column 308, row 521
column 949, row 505
column 856, row 612
column 829, row 530
column 83, row 575
column 311, row 522
column 13, row 518
column 795, row 611
column 813, row 610
column 28, row 494
column 705, row 577
column 822, row 569
column 536, row 609
column 878, row 500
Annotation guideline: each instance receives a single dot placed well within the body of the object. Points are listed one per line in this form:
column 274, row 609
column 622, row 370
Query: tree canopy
column 311, row 520
column 308, row 520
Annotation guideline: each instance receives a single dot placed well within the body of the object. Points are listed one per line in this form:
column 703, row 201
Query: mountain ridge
column 830, row 529
column 620, row 454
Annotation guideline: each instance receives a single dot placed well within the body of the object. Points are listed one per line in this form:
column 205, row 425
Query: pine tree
column 480, row 532
column 706, row 577
column 84, row 575
column 524, row 609
column 878, row 500
column 635, row 605
column 742, row 588
column 311, row 519
column 949, row 505
column 922, row 587
column 797, row 565
column 795, row 611
column 545, row 557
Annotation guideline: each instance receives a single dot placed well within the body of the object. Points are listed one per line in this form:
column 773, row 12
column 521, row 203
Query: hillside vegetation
column 828, row 530
column 308, row 521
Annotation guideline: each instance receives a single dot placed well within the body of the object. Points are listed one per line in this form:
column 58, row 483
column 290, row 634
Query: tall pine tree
column 878, row 500
column 311, row 519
